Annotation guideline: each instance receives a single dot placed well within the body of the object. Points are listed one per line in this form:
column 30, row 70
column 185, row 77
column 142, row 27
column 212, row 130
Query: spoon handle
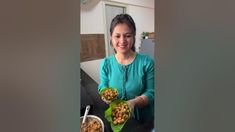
column 86, row 112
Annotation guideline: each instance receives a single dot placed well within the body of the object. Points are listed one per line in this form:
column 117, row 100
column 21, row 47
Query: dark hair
column 120, row 19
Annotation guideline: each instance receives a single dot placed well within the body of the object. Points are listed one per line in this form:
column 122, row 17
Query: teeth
column 122, row 46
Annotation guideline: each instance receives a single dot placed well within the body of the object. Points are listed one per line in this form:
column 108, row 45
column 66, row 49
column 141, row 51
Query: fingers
column 131, row 105
column 106, row 101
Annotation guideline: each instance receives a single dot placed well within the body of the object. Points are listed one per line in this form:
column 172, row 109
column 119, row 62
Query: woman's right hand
column 108, row 95
column 106, row 101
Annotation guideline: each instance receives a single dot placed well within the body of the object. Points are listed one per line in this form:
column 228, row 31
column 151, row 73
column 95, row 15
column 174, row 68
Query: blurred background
column 39, row 66
column 195, row 52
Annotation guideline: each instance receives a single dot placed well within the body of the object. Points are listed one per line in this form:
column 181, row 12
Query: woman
column 131, row 73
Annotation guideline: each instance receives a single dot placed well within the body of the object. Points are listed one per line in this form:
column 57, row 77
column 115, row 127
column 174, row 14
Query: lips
column 122, row 46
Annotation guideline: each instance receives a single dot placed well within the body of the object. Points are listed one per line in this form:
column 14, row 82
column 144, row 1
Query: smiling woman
column 131, row 73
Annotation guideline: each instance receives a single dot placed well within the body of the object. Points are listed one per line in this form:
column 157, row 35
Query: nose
column 122, row 39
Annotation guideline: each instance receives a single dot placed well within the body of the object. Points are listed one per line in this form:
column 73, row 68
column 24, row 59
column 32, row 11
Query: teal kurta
column 134, row 79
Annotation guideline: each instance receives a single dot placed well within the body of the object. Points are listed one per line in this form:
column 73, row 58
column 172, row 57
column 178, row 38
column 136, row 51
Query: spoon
column 86, row 112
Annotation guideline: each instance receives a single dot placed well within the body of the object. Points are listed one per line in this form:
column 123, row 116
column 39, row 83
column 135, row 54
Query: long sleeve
column 149, row 76
column 103, row 75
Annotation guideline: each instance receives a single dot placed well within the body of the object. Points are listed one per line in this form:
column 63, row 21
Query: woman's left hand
column 139, row 101
column 132, row 103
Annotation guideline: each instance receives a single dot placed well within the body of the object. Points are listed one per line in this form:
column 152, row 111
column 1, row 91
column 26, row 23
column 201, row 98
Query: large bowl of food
column 92, row 124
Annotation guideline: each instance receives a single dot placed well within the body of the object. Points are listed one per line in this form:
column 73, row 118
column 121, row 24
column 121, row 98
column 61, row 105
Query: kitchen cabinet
column 92, row 47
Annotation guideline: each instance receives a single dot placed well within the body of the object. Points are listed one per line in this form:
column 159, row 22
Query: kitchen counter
column 90, row 96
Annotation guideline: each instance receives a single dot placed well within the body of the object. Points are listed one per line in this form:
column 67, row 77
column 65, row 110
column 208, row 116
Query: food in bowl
column 92, row 124
column 120, row 113
column 109, row 94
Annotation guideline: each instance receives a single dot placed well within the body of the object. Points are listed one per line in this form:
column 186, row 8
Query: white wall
column 91, row 18
column 144, row 20
column 92, row 22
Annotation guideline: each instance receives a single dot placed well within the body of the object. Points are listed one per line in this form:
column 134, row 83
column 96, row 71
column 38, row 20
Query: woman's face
column 122, row 38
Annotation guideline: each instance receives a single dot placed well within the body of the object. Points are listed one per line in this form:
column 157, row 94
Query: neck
column 125, row 59
column 125, row 56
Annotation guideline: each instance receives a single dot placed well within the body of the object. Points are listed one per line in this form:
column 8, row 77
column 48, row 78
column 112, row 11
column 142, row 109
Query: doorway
column 111, row 10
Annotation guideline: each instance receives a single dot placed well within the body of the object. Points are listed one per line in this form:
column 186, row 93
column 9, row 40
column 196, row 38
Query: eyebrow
column 129, row 33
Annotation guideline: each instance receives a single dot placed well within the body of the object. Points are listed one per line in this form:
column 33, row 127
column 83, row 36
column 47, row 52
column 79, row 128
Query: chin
column 123, row 51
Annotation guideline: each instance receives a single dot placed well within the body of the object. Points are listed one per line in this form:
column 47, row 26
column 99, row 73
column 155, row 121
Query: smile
column 122, row 46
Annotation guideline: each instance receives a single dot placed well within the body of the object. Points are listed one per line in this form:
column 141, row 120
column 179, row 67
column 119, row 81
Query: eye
column 117, row 36
column 128, row 36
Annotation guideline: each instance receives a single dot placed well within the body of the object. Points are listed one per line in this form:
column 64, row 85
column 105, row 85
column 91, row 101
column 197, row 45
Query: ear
column 133, row 46
column 111, row 44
